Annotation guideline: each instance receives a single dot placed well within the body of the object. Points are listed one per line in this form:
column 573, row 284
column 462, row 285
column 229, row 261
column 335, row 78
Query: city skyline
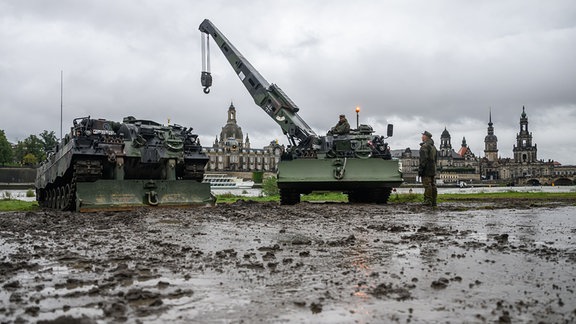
column 479, row 151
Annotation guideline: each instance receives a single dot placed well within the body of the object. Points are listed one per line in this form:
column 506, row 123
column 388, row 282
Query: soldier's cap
column 342, row 116
column 427, row 133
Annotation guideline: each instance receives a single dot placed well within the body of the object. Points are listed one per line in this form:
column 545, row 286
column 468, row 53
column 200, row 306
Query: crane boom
column 268, row 96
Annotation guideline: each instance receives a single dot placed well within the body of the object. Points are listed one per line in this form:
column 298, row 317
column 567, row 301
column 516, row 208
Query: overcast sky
column 416, row 64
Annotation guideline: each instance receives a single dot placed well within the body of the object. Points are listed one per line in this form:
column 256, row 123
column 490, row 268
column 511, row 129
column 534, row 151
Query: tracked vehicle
column 103, row 164
column 358, row 163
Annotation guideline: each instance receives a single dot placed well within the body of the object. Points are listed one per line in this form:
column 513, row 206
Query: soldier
column 342, row 127
column 427, row 169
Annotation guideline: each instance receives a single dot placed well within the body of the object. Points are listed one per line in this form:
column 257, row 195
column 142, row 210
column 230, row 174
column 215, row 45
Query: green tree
column 49, row 140
column 6, row 154
column 31, row 145
column 270, row 187
column 30, row 159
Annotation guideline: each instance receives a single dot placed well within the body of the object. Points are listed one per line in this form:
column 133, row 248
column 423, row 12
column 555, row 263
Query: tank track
column 378, row 196
column 289, row 197
column 63, row 195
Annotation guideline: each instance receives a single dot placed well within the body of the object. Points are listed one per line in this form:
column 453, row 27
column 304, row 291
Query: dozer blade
column 129, row 194
column 338, row 174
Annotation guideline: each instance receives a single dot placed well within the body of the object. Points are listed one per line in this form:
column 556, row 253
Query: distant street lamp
column 357, row 116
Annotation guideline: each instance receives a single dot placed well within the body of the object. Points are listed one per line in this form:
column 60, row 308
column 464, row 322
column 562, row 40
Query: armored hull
column 369, row 180
column 102, row 164
column 357, row 164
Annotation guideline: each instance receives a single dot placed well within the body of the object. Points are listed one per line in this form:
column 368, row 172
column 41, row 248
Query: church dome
column 445, row 133
column 231, row 129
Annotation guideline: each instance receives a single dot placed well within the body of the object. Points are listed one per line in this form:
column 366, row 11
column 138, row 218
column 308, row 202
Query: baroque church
column 231, row 151
column 456, row 166
column 524, row 168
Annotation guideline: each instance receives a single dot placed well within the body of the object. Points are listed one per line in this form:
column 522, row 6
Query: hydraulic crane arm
column 268, row 96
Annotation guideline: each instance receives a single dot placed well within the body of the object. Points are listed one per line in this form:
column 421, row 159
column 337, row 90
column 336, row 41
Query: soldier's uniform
column 343, row 127
column 427, row 169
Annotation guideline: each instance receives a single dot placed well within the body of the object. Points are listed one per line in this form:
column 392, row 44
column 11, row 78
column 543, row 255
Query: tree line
column 28, row 152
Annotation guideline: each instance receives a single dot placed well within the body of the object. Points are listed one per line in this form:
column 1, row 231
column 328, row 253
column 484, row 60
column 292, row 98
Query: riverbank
column 21, row 200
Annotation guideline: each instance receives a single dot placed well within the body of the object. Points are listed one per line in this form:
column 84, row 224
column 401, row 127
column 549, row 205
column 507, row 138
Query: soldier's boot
column 434, row 197
column 427, row 197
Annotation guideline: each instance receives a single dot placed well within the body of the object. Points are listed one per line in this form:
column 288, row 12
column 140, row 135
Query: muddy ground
column 508, row 261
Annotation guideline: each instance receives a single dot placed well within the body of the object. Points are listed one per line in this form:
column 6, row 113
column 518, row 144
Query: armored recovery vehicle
column 358, row 163
column 103, row 164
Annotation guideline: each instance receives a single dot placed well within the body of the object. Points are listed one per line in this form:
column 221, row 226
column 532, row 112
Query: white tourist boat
column 225, row 181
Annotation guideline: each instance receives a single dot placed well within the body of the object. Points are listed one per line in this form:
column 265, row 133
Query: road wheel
column 52, row 198
column 41, row 197
column 59, row 198
column 47, row 198
column 70, row 197
column 65, row 197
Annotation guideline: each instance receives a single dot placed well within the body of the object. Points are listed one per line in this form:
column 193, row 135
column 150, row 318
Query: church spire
column 231, row 114
column 491, row 141
column 523, row 112
column 524, row 150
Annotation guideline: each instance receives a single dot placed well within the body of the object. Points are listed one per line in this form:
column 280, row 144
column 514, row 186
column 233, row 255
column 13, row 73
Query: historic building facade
column 524, row 167
column 564, row 174
column 456, row 166
column 231, row 152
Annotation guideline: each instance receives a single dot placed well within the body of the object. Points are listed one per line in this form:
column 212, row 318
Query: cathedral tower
column 445, row 143
column 524, row 151
column 491, row 142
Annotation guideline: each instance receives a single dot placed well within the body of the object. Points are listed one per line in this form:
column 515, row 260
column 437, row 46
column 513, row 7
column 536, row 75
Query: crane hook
column 206, row 80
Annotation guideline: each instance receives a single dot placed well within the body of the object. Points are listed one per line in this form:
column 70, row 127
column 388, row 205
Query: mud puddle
column 324, row 263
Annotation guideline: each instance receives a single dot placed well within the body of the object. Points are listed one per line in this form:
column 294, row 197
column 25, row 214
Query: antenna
column 61, row 98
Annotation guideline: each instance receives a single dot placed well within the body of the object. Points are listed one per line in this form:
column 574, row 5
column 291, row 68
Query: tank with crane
column 108, row 165
column 358, row 163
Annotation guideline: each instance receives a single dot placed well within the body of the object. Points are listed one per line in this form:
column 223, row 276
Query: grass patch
column 17, row 205
column 316, row 196
column 325, row 196
column 228, row 198
column 396, row 198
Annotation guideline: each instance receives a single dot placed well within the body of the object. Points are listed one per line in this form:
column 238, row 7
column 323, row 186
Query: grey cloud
column 414, row 63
